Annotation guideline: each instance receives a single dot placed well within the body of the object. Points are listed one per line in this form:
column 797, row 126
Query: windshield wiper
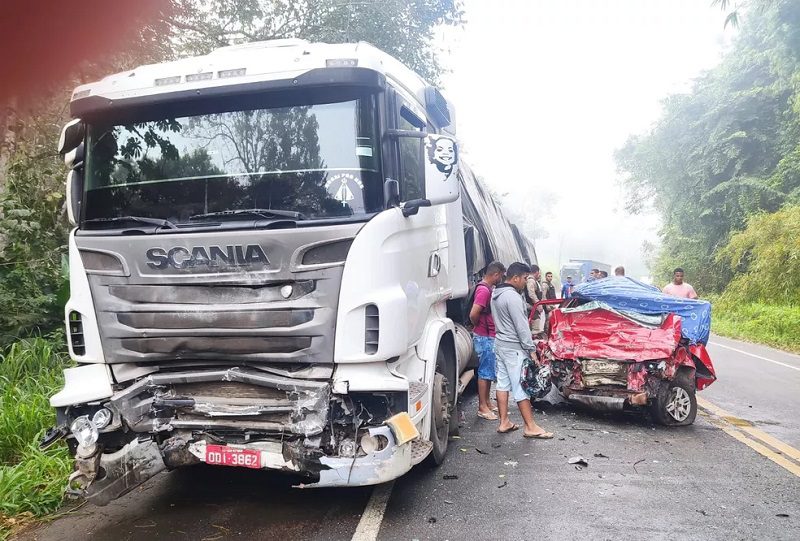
column 137, row 219
column 258, row 213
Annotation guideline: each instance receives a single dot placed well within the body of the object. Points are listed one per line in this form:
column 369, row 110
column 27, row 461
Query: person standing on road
column 512, row 344
column 548, row 287
column 549, row 292
column 535, row 294
column 483, row 333
column 679, row 288
column 566, row 289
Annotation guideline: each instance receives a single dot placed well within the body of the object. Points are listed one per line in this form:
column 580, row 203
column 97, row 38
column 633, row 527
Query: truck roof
column 249, row 63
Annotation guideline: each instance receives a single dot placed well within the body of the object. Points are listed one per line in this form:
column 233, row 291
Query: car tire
column 676, row 402
column 440, row 414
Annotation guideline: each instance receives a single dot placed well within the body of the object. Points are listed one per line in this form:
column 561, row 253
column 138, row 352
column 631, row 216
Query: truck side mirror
column 71, row 136
column 441, row 169
column 74, row 193
column 391, row 193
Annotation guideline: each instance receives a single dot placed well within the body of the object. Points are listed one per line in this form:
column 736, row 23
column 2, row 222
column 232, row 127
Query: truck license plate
column 221, row 455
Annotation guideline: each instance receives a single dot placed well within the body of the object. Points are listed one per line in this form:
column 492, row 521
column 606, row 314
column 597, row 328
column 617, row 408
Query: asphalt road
column 732, row 475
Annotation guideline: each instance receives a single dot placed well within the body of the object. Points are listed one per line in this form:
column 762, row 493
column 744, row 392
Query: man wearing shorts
column 512, row 344
column 480, row 315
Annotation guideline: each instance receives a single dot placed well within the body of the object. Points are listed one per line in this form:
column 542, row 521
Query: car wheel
column 676, row 403
column 440, row 415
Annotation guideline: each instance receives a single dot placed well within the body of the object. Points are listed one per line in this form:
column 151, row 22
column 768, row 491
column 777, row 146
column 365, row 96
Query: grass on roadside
column 31, row 481
column 773, row 325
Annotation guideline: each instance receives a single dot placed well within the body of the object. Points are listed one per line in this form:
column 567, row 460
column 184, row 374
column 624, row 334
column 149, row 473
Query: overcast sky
column 546, row 90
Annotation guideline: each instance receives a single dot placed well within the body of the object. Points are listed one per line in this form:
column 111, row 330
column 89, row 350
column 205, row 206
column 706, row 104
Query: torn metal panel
column 705, row 373
column 122, row 471
column 601, row 334
column 373, row 468
column 217, row 397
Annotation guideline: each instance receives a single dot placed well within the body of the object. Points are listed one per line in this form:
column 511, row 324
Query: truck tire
column 676, row 402
column 440, row 413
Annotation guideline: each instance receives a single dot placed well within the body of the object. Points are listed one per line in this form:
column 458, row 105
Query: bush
column 31, row 481
column 774, row 325
column 766, row 257
column 33, row 238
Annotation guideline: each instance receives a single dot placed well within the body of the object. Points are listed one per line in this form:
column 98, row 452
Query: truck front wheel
column 440, row 414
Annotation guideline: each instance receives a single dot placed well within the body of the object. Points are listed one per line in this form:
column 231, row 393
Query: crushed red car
column 624, row 344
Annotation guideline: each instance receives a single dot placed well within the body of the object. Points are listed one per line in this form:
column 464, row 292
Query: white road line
column 756, row 356
column 371, row 518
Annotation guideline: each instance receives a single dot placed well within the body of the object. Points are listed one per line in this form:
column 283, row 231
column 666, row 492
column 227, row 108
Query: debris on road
column 448, row 502
column 511, row 463
column 431, row 520
column 578, row 461
column 600, row 455
column 637, row 462
column 782, row 515
column 505, row 484
column 496, row 445
column 449, row 477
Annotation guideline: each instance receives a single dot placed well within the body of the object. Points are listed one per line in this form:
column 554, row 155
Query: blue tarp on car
column 629, row 295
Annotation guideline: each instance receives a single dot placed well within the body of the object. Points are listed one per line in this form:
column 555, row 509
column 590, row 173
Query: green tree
column 403, row 28
column 726, row 150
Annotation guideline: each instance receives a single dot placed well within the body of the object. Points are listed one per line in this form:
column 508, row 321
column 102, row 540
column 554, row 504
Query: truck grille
column 283, row 312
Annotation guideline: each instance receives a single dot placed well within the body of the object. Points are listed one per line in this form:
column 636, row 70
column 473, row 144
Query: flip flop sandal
column 512, row 428
column 542, row 436
column 487, row 416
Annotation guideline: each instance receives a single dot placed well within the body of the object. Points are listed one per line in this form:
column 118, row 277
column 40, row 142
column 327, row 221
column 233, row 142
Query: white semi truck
column 271, row 250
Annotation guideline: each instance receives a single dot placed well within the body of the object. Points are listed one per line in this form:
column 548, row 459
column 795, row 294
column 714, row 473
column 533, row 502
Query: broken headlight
column 84, row 431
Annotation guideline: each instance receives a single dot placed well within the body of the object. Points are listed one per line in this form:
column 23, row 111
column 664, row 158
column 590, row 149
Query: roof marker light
column 199, row 76
column 341, row 62
column 164, row 81
column 225, row 74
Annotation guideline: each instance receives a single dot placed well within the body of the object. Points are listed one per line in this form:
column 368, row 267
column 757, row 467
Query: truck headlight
column 84, row 431
column 102, row 418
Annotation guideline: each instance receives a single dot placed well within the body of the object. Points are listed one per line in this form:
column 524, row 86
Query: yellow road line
column 734, row 427
column 746, row 426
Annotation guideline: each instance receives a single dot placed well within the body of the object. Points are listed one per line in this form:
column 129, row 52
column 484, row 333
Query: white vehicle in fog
column 267, row 268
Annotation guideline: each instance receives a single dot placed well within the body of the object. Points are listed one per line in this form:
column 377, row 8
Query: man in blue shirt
column 566, row 289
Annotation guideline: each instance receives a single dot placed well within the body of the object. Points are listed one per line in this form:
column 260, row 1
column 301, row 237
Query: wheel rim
column 441, row 407
column 679, row 405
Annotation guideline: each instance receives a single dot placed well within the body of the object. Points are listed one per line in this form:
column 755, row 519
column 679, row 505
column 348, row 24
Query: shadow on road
column 207, row 502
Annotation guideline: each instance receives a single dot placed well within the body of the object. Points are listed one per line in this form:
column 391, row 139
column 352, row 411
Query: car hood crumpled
column 594, row 332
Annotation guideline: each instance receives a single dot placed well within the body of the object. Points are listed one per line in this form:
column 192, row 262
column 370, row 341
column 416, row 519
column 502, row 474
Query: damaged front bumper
column 107, row 476
column 296, row 426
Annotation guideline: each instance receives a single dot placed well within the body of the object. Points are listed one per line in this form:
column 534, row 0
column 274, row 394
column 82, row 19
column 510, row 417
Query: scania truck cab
column 266, row 240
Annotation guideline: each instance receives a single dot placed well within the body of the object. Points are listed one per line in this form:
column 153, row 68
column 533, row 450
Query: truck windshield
column 318, row 160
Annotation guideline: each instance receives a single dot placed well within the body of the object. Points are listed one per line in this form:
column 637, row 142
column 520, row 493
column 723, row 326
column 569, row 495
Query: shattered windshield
column 318, row 160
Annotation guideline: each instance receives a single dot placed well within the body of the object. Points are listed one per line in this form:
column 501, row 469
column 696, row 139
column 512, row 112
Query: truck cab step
column 419, row 450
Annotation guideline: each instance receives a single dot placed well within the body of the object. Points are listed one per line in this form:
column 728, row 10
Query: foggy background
column 545, row 91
